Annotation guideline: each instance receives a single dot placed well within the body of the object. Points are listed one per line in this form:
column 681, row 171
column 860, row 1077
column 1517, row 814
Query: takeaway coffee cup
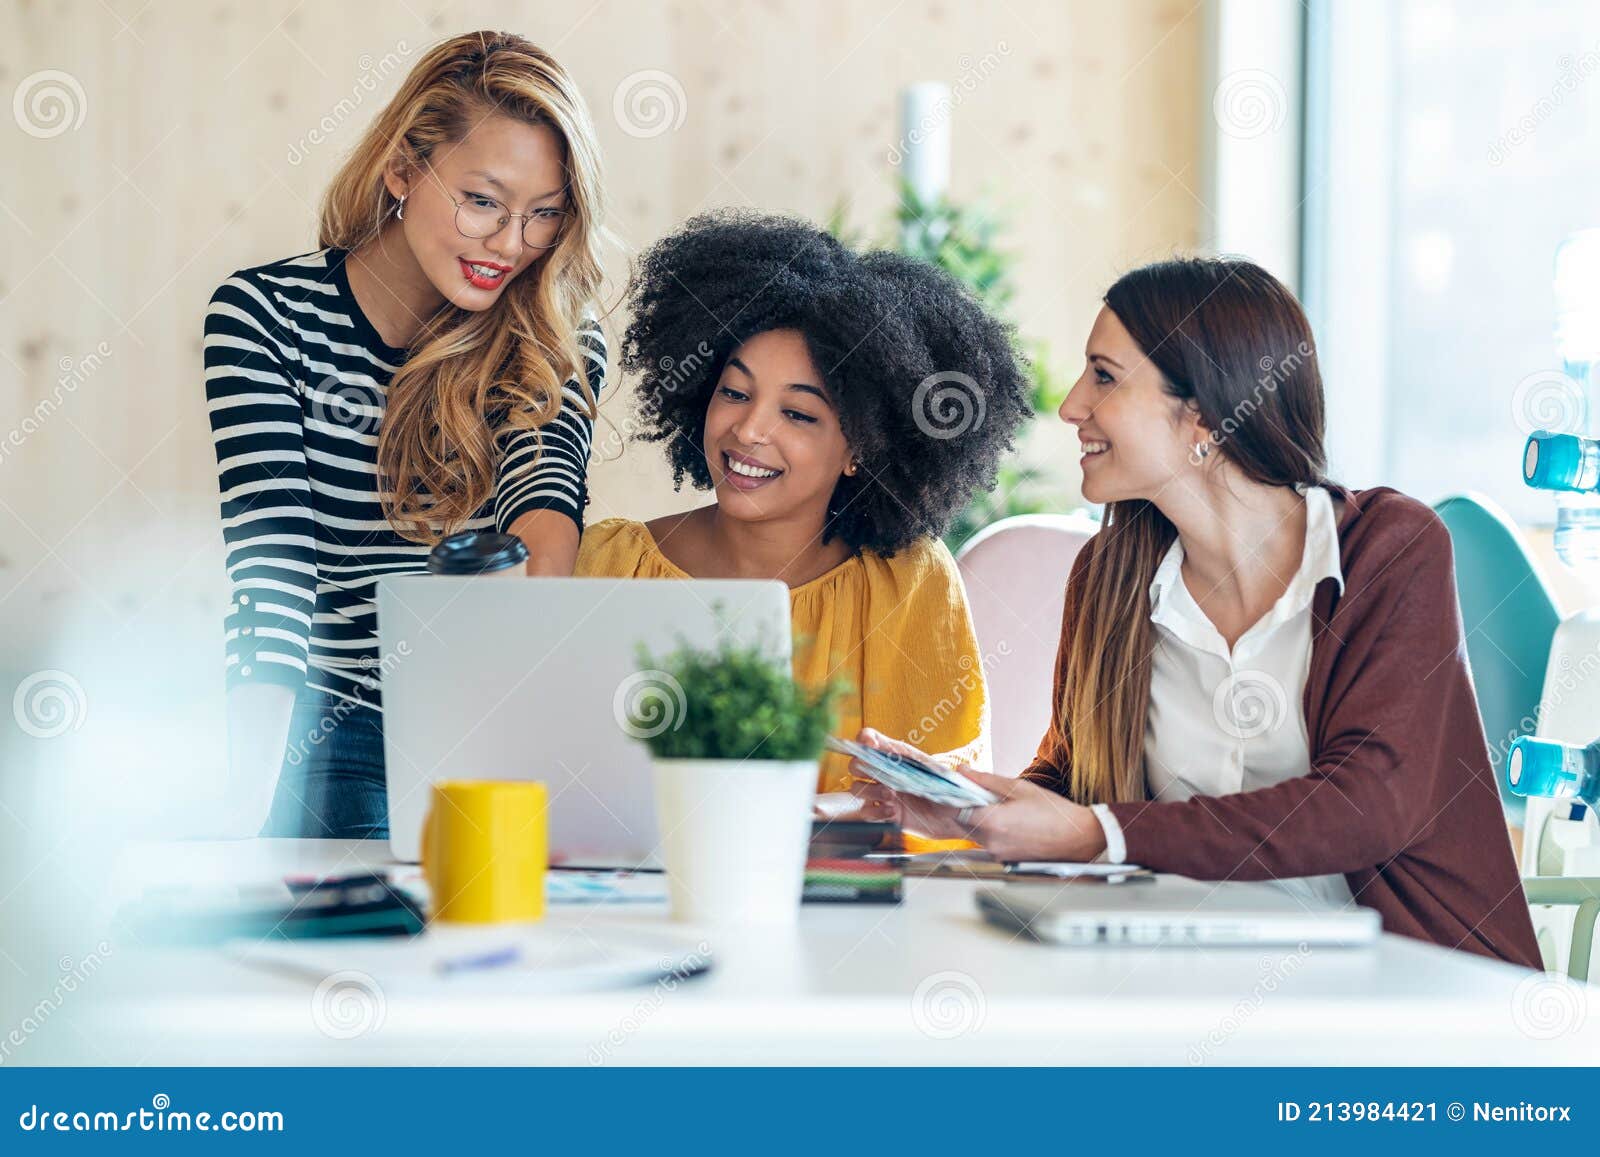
column 479, row 552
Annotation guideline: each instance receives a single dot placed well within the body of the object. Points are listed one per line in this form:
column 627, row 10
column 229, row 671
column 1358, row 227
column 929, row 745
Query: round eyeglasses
column 479, row 217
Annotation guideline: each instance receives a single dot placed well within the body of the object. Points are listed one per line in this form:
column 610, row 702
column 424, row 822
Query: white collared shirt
column 1223, row 722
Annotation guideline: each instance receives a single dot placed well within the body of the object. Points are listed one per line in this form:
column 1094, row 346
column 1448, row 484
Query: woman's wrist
column 1039, row 826
column 1094, row 834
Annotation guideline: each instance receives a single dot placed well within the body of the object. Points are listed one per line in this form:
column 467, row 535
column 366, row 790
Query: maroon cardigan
column 1401, row 796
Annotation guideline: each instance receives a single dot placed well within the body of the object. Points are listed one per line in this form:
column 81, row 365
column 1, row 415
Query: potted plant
column 735, row 756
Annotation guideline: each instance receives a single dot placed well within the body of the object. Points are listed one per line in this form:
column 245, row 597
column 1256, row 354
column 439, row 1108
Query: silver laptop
column 1172, row 910
column 496, row 677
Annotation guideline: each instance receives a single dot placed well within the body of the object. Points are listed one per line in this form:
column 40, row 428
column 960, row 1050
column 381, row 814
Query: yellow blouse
column 896, row 629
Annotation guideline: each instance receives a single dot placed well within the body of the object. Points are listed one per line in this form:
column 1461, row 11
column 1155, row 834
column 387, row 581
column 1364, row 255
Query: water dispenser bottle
column 1542, row 767
column 1556, row 461
column 1577, row 292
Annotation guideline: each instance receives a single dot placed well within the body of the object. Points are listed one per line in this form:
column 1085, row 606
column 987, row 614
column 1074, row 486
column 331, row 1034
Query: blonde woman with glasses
column 432, row 367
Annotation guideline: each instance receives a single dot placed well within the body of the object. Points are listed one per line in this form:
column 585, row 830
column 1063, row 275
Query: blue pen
column 494, row 959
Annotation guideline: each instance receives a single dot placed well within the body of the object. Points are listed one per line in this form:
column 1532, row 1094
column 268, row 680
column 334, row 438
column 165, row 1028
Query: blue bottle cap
column 1538, row 767
column 1553, row 461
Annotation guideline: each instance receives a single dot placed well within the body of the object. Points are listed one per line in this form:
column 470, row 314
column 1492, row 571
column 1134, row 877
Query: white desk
column 840, row 991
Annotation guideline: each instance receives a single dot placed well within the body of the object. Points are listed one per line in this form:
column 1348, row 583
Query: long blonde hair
column 473, row 375
column 1232, row 341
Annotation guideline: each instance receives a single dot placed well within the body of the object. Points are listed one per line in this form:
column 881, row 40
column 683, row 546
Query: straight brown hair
column 1230, row 340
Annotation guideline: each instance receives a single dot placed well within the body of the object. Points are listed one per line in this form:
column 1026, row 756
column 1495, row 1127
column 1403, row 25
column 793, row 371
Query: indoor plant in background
column 963, row 240
column 735, row 745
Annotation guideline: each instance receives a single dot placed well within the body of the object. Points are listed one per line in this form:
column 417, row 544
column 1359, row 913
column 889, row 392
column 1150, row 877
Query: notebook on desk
column 553, row 957
column 1173, row 911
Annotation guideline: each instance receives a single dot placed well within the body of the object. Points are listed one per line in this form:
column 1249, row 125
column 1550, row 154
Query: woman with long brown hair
column 432, row 367
column 1261, row 673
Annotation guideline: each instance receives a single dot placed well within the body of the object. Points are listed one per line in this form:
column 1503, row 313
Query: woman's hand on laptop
column 1029, row 823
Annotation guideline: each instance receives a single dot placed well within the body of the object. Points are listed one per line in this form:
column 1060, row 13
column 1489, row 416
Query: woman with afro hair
column 842, row 409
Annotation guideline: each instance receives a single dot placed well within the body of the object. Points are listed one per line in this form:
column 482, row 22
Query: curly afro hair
column 927, row 385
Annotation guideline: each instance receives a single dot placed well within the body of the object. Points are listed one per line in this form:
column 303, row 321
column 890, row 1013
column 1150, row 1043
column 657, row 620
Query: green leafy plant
column 964, row 241
column 735, row 702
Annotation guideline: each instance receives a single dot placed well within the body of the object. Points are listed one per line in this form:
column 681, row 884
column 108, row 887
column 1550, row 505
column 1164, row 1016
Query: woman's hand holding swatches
column 1029, row 823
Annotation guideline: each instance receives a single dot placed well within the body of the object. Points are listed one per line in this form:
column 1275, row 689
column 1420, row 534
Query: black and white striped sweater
column 296, row 386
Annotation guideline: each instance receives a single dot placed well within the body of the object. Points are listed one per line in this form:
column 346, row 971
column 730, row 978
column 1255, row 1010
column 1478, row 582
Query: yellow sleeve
column 924, row 671
column 608, row 549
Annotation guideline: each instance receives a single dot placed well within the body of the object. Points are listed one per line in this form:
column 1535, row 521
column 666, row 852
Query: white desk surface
column 843, row 989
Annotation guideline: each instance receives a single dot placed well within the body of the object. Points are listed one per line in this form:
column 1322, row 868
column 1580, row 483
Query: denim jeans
column 332, row 782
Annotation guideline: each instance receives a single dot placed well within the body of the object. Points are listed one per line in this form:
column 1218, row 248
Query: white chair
column 1561, row 841
column 1015, row 572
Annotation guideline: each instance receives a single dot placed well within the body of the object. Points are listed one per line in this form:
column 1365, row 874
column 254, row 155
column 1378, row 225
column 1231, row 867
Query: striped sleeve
column 545, row 469
column 258, row 433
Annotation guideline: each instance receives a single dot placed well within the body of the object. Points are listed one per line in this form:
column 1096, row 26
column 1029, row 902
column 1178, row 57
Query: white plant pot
column 734, row 835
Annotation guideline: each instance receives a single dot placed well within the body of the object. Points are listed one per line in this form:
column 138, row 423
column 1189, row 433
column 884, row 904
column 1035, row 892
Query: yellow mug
column 485, row 850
